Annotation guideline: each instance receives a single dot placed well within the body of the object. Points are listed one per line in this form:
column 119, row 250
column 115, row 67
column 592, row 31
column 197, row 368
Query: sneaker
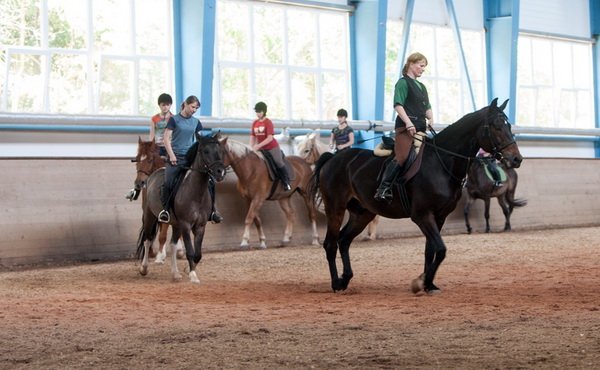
column 215, row 217
column 164, row 217
column 498, row 184
column 287, row 187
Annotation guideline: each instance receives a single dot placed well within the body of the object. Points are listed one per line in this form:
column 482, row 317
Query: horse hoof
column 244, row 245
column 417, row 285
column 143, row 270
column 262, row 245
column 194, row 278
column 434, row 291
column 316, row 242
column 177, row 277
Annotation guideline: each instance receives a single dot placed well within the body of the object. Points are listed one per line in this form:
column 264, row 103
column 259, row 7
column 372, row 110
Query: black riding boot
column 285, row 179
column 384, row 191
column 214, row 216
column 493, row 167
column 165, row 195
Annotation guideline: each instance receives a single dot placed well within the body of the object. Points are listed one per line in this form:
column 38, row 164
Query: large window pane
column 20, row 23
column 112, row 26
column 303, row 95
column 234, row 31
column 301, row 38
column 542, row 57
column 152, row 22
column 25, row 88
column 268, row 41
column 270, row 88
column 153, row 77
column 67, row 24
column 68, row 87
column 333, row 47
column 334, row 94
column 235, row 85
column 115, row 87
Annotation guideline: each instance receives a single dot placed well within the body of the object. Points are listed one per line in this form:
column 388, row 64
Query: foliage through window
column 54, row 59
column 293, row 58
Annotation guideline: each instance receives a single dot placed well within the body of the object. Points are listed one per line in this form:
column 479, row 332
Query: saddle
column 273, row 171
column 487, row 162
column 412, row 164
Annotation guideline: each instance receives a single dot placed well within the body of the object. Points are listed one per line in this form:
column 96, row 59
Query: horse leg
column 466, row 210
column 145, row 240
column 372, row 228
column 330, row 244
column 174, row 270
column 507, row 210
column 286, row 207
column 197, row 256
column 487, row 214
column 162, row 239
column 435, row 253
column 312, row 215
column 355, row 225
column 190, row 254
column 252, row 216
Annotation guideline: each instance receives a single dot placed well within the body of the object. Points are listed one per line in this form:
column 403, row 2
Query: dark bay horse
column 147, row 161
column 480, row 186
column 255, row 186
column 348, row 180
column 191, row 207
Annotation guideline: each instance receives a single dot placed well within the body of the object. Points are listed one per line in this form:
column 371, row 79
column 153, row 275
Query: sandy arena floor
column 519, row 300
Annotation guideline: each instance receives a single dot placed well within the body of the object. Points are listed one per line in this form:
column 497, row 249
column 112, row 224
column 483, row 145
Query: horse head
column 209, row 156
column 146, row 161
column 309, row 147
column 496, row 137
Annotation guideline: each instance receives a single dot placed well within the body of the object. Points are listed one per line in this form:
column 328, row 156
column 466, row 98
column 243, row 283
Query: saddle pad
column 488, row 173
column 272, row 170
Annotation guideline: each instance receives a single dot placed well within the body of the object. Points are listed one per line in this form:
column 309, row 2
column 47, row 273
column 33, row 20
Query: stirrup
column 384, row 194
column 215, row 217
column 131, row 195
column 164, row 216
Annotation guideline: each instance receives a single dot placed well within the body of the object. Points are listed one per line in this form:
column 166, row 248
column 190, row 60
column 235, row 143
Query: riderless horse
column 256, row 187
column 428, row 197
column 191, row 207
column 481, row 186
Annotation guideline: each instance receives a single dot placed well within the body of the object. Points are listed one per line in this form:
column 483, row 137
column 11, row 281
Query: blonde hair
column 413, row 58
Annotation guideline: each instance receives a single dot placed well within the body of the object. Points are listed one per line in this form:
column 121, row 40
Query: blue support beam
column 595, row 29
column 501, row 19
column 367, row 54
column 194, row 29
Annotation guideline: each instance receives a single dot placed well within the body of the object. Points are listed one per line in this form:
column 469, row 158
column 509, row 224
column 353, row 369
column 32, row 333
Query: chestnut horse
column 311, row 148
column 147, row 161
column 191, row 207
column 480, row 186
column 430, row 195
column 255, row 186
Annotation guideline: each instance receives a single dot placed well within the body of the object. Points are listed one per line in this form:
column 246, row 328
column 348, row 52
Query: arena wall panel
column 63, row 210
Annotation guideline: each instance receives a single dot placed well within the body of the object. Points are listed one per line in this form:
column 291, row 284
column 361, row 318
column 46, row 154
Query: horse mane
column 239, row 149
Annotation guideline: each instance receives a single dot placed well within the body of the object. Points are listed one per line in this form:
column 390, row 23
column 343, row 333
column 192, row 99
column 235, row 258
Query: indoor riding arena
column 81, row 81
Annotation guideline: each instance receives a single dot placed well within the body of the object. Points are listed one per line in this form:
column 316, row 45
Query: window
column 444, row 77
column 555, row 83
column 84, row 57
column 293, row 58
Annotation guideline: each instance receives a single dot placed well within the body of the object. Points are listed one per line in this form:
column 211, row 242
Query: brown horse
column 480, row 186
column 427, row 198
column 255, row 186
column 310, row 148
column 147, row 161
column 191, row 205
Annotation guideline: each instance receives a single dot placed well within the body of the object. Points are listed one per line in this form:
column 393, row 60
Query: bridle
column 205, row 166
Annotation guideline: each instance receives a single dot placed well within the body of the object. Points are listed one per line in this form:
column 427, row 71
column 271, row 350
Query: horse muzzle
column 219, row 173
column 512, row 161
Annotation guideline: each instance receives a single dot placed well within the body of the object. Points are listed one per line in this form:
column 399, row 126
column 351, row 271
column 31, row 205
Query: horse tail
column 313, row 185
column 139, row 254
column 517, row 202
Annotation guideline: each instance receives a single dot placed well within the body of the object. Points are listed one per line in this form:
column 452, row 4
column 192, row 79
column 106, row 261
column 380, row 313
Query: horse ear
column 318, row 132
column 140, row 140
column 503, row 105
column 198, row 136
column 494, row 103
